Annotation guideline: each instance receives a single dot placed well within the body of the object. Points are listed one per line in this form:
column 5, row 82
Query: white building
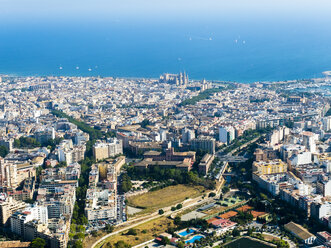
column 226, row 134
column 324, row 188
column 309, row 141
column 326, row 121
column 163, row 135
column 110, row 148
column 301, row 159
column 18, row 219
column 187, row 135
column 320, row 210
column 286, row 151
column 278, row 135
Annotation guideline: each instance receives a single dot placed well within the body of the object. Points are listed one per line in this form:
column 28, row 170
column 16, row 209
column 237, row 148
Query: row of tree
column 178, row 176
column 202, row 96
column 26, row 142
column 78, row 216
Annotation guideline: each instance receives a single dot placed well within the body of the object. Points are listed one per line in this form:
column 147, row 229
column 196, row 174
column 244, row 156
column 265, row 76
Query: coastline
column 322, row 76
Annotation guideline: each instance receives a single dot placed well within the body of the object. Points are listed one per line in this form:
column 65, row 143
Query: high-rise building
column 319, row 210
column 163, row 135
column 324, row 187
column 326, row 121
column 204, row 144
column 80, row 138
column 110, row 148
column 278, row 135
column 19, row 218
column 69, row 153
column 309, row 141
column 8, row 207
column 45, row 135
column 12, row 175
column 226, row 134
column 8, row 143
column 187, row 135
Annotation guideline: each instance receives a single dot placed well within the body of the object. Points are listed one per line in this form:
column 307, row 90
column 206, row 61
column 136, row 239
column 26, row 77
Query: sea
column 238, row 50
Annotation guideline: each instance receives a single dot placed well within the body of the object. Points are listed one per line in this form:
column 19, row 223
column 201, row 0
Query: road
column 219, row 154
column 167, row 211
column 121, row 217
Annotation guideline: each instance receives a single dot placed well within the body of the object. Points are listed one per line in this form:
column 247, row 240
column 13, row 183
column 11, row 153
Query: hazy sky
column 160, row 10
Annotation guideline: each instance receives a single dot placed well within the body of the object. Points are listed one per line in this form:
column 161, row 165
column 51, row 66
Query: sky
column 23, row 11
column 37, row 36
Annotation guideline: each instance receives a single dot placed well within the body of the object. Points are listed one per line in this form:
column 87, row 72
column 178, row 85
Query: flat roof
column 298, row 230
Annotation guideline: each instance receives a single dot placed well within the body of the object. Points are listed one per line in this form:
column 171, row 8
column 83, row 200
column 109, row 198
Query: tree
column 225, row 189
column 177, row 220
column 235, row 232
column 79, row 235
column 3, row 151
column 161, row 212
column 179, row 206
column 132, row 232
column 73, row 228
column 126, row 184
column 173, row 208
column 83, row 220
column 26, row 142
column 38, row 243
column 78, row 244
column 165, row 241
column 122, row 244
column 144, row 123
column 107, row 245
column 80, row 228
column 212, row 194
column 61, row 164
column 109, row 228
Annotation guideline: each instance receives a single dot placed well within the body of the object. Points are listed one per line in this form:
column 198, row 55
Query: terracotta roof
column 244, row 208
column 228, row 215
column 257, row 213
column 211, row 220
column 223, row 223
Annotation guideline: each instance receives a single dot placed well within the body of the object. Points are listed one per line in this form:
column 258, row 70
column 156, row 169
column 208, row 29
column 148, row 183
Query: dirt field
column 145, row 232
column 168, row 196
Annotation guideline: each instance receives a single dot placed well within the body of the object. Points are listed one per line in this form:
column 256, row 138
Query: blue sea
column 219, row 49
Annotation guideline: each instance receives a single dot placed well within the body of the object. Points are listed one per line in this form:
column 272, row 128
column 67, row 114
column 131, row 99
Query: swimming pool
column 185, row 233
column 195, row 238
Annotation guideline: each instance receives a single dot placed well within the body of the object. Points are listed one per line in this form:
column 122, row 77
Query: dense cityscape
column 168, row 162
